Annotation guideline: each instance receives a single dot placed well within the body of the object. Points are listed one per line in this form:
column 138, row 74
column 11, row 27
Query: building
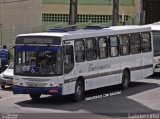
column 19, row 16
column 56, row 12
column 151, row 11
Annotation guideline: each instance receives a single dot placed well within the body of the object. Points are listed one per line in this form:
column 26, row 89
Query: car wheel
column 3, row 86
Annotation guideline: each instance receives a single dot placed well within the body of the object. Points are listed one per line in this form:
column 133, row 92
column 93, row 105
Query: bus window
column 79, row 51
column 91, row 51
column 38, row 60
column 103, row 47
column 146, row 42
column 135, row 43
column 114, row 46
column 68, row 58
column 124, row 44
column 156, row 43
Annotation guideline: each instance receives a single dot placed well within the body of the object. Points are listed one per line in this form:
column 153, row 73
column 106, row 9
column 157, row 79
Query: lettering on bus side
column 100, row 67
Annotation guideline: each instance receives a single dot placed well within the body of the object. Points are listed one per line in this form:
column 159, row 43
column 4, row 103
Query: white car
column 6, row 77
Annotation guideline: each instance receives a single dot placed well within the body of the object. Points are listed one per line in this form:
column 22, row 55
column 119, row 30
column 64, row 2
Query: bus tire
column 35, row 97
column 79, row 91
column 125, row 80
column 2, row 86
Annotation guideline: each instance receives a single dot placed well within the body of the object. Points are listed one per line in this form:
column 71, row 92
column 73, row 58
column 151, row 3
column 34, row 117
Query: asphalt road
column 141, row 99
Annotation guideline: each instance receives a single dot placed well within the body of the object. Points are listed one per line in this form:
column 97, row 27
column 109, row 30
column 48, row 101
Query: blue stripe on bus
column 37, row 90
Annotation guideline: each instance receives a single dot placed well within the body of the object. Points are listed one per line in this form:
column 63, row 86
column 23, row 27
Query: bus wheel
column 125, row 80
column 3, row 86
column 35, row 97
column 79, row 91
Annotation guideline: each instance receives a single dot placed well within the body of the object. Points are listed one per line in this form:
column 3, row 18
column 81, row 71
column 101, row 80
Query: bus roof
column 84, row 33
column 154, row 27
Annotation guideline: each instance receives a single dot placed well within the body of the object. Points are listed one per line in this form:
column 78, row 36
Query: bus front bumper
column 38, row 90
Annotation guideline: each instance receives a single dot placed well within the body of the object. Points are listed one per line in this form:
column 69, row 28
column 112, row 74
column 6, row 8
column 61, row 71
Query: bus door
column 68, row 63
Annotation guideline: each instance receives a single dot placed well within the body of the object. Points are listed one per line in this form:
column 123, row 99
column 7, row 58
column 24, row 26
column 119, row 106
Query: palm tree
column 115, row 13
column 73, row 12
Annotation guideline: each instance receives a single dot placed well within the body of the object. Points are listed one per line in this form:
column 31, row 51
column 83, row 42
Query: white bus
column 63, row 62
column 156, row 44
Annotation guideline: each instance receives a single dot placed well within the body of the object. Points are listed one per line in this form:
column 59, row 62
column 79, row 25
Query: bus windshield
column 156, row 42
column 38, row 60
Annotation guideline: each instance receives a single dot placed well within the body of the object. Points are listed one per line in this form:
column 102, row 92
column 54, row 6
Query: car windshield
column 11, row 66
column 38, row 60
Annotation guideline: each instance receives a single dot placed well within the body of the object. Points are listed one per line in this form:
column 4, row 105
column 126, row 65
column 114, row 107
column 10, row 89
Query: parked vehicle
column 6, row 77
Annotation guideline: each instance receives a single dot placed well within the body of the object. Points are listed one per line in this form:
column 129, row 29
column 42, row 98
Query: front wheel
column 3, row 86
column 125, row 80
column 79, row 91
column 35, row 97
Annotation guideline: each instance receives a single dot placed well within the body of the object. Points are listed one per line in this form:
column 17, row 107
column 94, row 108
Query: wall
column 19, row 16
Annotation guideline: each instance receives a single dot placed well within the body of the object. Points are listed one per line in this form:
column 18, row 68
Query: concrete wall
column 19, row 16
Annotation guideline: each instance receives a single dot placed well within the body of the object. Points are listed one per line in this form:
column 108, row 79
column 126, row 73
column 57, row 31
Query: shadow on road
column 112, row 106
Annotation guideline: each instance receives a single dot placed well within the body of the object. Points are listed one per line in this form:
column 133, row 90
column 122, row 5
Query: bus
column 156, row 44
column 63, row 62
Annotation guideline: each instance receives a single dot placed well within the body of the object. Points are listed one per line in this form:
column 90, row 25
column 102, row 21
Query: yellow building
column 56, row 12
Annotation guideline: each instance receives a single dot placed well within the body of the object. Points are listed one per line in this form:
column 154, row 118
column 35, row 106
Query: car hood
column 8, row 72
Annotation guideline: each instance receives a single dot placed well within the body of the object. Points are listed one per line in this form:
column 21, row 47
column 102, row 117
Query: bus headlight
column 55, row 85
column 156, row 60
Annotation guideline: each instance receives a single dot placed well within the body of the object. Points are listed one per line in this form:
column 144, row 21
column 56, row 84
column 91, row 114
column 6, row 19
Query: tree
column 115, row 15
column 73, row 12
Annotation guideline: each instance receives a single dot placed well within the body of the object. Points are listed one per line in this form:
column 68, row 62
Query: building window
column 103, row 47
column 124, row 44
column 135, row 43
column 81, row 18
column 55, row 17
column 79, row 50
column 94, row 18
column 146, row 42
column 91, row 49
column 114, row 46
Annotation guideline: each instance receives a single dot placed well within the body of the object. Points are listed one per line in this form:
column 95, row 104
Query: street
column 140, row 99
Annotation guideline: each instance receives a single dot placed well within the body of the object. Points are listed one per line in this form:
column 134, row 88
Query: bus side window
column 68, row 58
column 79, row 51
column 114, row 46
column 146, row 42
column 124, row 44
column 135, row 43
column 91, row 49
column 102, row 47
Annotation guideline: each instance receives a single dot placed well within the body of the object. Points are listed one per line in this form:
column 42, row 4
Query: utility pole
column 73, row 12
column 1, row 22
column 115, row 14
